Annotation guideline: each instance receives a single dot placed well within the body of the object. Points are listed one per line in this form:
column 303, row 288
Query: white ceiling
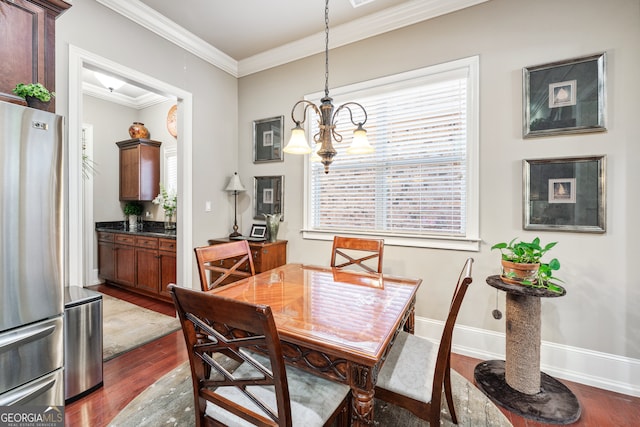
column 246, row 36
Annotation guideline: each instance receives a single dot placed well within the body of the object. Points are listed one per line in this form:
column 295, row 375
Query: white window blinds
column 416, row 181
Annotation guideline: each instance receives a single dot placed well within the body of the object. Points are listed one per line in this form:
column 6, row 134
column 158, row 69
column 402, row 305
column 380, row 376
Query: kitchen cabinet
column 266, row 255
column 138, row 263
column 28, row 38
column 139, row 169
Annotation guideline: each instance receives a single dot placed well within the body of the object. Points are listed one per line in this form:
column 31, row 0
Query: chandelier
column 327, row 115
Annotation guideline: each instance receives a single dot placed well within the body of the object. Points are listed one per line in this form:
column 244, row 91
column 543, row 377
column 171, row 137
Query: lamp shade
column 298, row 143
column 235, row 184
column 360, row 143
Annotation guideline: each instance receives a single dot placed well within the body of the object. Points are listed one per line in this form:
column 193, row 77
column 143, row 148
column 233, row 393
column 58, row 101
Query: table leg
column 522, row 367
column 362, row 385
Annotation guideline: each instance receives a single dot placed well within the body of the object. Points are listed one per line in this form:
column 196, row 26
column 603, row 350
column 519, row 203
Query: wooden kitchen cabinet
column 139, row 169
column 266, row 255
column 138, row 263
column 27, row 45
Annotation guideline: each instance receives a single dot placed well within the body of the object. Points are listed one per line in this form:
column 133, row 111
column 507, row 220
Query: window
column 420, row 186
column 171, row 169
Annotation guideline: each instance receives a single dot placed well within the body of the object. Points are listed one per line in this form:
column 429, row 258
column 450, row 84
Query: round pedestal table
column 517, row 382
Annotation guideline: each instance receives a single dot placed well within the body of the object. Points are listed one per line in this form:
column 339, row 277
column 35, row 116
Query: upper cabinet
column 139, row 169
column 27, row 36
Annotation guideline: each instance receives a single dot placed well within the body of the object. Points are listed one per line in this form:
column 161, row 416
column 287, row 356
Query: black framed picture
column 564, row 97
column 268, row 196
column 267, row 140
column 565, row 194
column 258, row 231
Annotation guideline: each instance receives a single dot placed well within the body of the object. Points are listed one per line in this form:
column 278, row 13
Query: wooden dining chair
column 349, row 251
column 224, row 263
column 416, row 369
column 261, row 390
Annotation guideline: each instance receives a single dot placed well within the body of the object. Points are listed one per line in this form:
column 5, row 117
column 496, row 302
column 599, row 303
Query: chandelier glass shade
column 327, row 115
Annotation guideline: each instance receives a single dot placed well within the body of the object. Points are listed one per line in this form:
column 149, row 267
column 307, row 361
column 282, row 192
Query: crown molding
column 147, row 100
column 143, row 15
column 390, row 19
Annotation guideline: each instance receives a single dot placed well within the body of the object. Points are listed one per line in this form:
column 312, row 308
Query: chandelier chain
column 326, row 49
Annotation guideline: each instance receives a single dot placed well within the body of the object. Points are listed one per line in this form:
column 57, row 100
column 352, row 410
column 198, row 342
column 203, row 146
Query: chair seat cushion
column 313, row 399
column 409, row 367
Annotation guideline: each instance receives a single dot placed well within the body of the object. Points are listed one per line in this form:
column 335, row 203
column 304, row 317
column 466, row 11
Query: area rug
column 169, row 402
column 126, row 326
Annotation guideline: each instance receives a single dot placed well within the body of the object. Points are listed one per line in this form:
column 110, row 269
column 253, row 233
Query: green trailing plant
column 133, row 208
column 532, row 253
column 36, row 90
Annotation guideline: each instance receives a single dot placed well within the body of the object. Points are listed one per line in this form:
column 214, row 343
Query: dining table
column 338, row 324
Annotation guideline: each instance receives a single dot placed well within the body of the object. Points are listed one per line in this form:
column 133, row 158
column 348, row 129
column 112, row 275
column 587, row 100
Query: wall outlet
column 207, row 206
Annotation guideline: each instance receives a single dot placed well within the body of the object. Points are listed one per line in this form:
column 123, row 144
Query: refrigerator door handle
column 17, row 340
column 27, row 394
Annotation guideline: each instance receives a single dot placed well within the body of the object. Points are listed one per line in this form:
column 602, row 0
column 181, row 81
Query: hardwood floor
column 128, row 375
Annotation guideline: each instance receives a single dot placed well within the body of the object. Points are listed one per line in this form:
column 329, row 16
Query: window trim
column 471, row 242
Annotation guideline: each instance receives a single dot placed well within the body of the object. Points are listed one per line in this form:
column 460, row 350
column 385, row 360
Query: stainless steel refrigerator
column 31, row 257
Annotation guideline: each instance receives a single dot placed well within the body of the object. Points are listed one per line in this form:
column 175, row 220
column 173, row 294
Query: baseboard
column 593, row 368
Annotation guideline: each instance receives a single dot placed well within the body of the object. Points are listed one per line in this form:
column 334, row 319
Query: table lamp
column 236, row 186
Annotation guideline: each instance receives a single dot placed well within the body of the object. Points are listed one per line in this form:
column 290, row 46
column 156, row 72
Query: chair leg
column 449, row 395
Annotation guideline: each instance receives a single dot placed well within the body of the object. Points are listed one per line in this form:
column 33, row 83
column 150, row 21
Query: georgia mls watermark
column 31, row 416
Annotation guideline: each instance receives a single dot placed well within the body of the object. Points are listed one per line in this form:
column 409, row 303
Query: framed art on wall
column 564, row 97
column 267, row 140
column 268, row 195
column 564, row 194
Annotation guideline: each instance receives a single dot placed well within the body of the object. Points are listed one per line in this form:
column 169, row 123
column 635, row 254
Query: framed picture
column 564, row 97
column 564, row 194
column 268, row 195
column 258, row 231
column 267, row 140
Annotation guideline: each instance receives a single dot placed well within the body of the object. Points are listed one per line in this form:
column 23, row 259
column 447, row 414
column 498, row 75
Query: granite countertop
column 149, row 228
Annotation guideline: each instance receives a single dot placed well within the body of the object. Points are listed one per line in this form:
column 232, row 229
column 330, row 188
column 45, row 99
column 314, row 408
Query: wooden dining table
column 334, row 323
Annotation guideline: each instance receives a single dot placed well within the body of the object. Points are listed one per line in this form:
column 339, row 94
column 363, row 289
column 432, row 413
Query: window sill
column 448, row 243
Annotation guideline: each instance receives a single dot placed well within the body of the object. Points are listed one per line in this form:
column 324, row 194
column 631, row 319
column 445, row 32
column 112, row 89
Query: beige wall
column 599, row 312
column 591, row 334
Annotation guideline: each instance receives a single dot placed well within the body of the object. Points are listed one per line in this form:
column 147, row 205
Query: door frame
column 77, row 248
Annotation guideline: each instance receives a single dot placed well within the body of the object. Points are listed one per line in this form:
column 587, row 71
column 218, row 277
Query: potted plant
column 522, row 263
column 133, row 210
column 34, row 94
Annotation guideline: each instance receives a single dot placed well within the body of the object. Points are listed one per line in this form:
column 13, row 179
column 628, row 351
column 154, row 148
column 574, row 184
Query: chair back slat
column 224, row 263
column 212, row 324
column 351, row 251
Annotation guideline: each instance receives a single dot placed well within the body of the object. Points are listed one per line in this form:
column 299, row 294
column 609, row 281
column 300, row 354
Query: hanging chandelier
column 327, row 115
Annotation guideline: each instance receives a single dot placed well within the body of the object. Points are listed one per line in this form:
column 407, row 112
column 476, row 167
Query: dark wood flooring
column 128, row 375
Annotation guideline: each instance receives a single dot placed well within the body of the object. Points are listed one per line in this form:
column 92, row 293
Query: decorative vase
column 273, row 224
column 133, row 222
column 518, row 273
column 169, row 223
column 137, row 130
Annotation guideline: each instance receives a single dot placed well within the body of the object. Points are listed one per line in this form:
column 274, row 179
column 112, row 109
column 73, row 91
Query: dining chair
column 416, row 369
column 261, row 390
column 225, row 263
column 349, row 251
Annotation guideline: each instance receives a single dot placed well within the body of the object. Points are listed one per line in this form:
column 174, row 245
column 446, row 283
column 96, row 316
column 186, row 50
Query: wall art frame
column 565, row 97
column 268, row 196
column 267, row 140
column 565, row 194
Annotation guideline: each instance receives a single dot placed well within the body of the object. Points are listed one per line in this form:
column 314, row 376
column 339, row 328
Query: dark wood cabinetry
column 27, row 45
column 139, row 263
column 266, row 255
column 139, row 169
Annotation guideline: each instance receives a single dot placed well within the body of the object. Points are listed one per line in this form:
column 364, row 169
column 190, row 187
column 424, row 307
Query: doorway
column 80, row 251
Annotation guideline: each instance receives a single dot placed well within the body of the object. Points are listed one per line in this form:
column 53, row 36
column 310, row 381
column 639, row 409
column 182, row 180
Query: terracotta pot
column 517, row 273
column 137, row 130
